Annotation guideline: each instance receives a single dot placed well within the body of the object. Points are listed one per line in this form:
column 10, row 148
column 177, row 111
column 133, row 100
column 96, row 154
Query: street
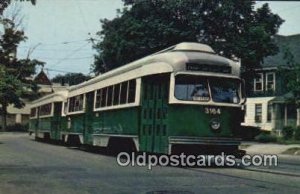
column 28, row 166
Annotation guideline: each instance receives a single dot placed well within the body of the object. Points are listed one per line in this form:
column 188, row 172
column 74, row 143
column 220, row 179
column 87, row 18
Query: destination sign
column 208, row 68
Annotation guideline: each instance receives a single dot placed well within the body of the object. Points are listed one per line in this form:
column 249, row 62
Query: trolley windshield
column 199, row 88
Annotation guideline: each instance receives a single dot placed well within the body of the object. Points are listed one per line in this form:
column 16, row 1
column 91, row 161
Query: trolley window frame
column 79, row 111
column 174, row 100
column 127, row 104
column 46, row 115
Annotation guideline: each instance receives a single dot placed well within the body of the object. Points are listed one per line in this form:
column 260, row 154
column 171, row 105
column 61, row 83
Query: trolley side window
column 117, row 94
column 33, row 112
column 76, row 103
column 225, row 90
column 131, row 91
column 123, row 94
column 98, row 98
column 191, row 88
column 65, row 107
column 114, row 95
column 46, row 109
column 110, row 95
column 103, row 97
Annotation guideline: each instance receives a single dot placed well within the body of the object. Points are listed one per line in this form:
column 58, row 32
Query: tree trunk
column 298, row 117
column 4, row 114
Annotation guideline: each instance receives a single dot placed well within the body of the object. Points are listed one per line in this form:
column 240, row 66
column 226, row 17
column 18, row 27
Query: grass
column 244, row 146
column 287, row 141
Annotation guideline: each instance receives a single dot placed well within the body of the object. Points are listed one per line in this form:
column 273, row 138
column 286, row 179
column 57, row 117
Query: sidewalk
column 270, row 148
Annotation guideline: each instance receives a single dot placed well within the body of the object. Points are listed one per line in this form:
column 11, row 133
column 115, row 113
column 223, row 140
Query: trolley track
column 247, row 174
column 269, row 171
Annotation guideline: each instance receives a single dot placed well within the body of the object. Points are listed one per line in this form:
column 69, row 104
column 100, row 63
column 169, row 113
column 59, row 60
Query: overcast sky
column 59, row 29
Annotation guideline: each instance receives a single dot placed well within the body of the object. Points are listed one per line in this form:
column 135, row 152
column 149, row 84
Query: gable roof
column 292, row 43
column 42, row 79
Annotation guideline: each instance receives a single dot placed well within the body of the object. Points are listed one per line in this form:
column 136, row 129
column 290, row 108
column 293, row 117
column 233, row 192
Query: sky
column 58, row 30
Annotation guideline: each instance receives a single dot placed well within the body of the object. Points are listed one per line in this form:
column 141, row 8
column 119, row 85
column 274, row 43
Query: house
column 269, row 103
column 21, row 116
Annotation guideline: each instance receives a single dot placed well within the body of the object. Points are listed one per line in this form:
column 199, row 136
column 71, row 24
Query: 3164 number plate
column 212, row 111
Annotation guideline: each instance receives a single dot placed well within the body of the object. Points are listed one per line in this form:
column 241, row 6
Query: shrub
column 297, row 133
column 248, row 132
column 17, row 128
column 288, row 132
column 265, row 138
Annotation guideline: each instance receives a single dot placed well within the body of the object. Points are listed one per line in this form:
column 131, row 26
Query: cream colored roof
column 172, row 59
column 54, row 97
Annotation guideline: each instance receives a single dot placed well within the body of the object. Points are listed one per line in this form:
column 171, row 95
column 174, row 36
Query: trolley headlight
column 215, row 124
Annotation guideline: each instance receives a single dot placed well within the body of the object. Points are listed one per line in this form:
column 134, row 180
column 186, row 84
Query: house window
column 291, row 111
column 269, row 114
column 258, row 113
column 76, row 103
column 258, row 82
column 45, row 109
column 270, row 81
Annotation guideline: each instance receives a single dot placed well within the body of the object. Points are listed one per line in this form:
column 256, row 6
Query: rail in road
column 275, row 175
column 283, row 168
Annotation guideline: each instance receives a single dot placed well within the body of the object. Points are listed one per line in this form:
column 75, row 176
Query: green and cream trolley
column 185, row 96
column 47, row 118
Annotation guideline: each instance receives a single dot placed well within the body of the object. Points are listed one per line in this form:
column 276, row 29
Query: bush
column 297, row 133
column 266, row 138
column 288, row 132
column 17, row 128
column 248, row 132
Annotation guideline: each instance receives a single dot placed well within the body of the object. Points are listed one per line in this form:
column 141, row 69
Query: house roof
column 288, row 97
column 42, row 79
column 284, row 43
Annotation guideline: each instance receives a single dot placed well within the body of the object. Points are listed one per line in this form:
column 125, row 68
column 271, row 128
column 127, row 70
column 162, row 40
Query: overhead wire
column 58, row 70
column 69, row 55
column 75, row 58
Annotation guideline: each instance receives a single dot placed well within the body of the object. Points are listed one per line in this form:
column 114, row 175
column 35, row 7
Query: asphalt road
column 27, row 166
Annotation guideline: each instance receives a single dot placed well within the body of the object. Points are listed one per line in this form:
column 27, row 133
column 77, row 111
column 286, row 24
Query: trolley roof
column 172, row 59
column 59, row 96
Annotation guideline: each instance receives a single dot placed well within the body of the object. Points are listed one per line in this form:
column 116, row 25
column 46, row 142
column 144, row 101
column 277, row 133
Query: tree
column 291, row 75
column 14, row 73
column 71, row 78
column 10, row 90
column 233, row 28
column 5, row 3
